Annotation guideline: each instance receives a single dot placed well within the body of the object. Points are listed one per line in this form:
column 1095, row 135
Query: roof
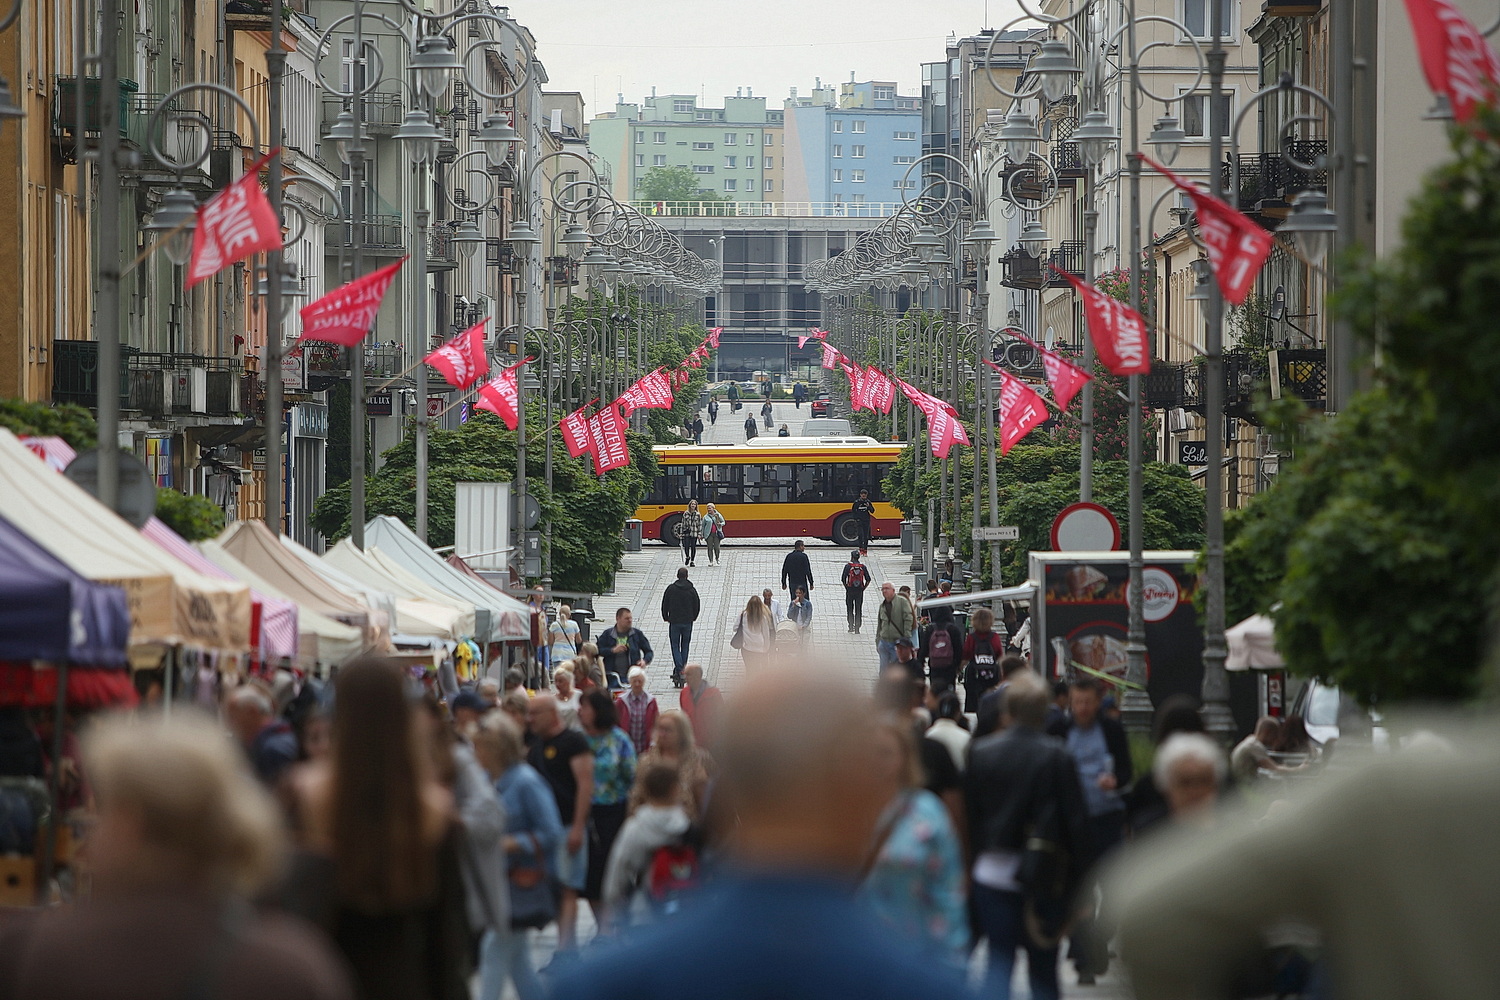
column 851, row 449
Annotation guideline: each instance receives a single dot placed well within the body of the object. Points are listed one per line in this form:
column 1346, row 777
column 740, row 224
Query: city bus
column 774, row 487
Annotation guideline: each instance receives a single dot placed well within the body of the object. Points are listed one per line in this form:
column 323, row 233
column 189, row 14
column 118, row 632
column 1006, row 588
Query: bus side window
column 721, row 484
column 783, row 482
column 660, row 490
column 811, row 483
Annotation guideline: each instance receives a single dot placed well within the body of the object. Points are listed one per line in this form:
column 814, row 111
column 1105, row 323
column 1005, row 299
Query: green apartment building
column 735, row 151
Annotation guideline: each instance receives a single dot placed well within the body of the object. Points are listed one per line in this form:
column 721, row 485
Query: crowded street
column 689, row 501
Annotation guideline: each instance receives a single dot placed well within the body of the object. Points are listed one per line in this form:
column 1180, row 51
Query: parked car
column 825, row 427
column 820, row 407
column 1330, row 714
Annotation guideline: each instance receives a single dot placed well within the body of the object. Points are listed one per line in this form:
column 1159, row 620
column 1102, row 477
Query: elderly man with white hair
column 637, row 711
column 1190, row 769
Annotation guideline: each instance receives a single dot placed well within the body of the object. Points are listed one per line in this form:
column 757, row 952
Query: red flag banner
column 1118, row 331
column 880, row 392
column 813, row 334
column 944, row 430
column 713, row 337
column 858, row 387
column 1237, row 247
column 921, row 400
column 607, row 431
column 575, row 432
column 1065, row 378
column 649, row 392
column 344, row 316
column 234, row 224
column 831, row 355
column 1456, row 59
column 1021, row 409
column 499, row 395
column 462, row 360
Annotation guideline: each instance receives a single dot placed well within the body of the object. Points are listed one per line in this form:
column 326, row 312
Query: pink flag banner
column 500, row 396
column 575, row 432
column 1237, row 247
column 1021, row 409
column 831, row 356
column 649, row 392
column 233, row 225
column 1456, row 58
column 1118, row 331
column 607, row 431
column 345, row 315
column 462, row 360
column 713, row 337
column 1065, row 378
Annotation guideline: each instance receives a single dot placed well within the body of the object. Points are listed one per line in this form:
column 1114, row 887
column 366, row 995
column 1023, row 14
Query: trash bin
column 584, row 618
column 633, row 528
column 906, row 538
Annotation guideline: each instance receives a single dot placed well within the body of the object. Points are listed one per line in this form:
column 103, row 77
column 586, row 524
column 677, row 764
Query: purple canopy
column 48, row 612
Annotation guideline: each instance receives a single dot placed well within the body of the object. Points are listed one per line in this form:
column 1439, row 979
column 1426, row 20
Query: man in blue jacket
column 623, row 646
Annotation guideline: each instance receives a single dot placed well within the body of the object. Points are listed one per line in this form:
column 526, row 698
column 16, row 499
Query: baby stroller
column 789, row 640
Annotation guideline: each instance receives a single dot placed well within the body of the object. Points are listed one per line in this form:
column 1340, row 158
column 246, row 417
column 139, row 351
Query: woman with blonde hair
column 672, row 744
column 183, row 837
column 562, row 636
column 754, row 633
column 379, row 868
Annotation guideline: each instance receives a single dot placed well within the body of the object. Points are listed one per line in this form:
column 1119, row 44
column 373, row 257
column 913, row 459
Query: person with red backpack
column 651, row 862
column 982, row 652
column 942, row 651
column 855, row 578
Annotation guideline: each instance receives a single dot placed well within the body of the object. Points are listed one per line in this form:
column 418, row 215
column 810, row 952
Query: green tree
column 69, row 421
column 584, row 512
column 193, row 517
column 672, row 184
column 1378, row 544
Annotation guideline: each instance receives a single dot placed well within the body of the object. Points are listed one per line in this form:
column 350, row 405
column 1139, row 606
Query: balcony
column 75, row 372
column 385, row 361
column 378, row 235
column 1164, row 387
column 1268, row 181
column 1245, row 375
column 1291, row 8
column 1067, row 257
column 325, row 365
column 499, row 254
column 247, row 15
column 562, row 270
column 1300, row 373
column 382, row 113
column 441, row 255
column 1018, row 269
column 163, row 385
column 65, row 132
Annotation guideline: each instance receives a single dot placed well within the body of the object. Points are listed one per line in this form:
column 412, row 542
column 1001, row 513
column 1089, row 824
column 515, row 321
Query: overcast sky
column 709, row 47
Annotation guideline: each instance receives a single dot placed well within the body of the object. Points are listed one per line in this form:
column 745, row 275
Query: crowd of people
column 365, row 838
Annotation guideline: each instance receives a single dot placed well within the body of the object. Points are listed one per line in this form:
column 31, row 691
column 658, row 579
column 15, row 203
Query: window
column 659, row 160
column 838, row 199
column 705, row 116
column 857, row 176
column 730, row 137
column 769, row 185
column 640, row 136
column 703, row 145
column 731, row 161
column 659, row 138
column 729, row 185
column 838, row 151
column 838, row 125
column 885, row 93
column 858, row 199
column 767, row 137
column 1196, row 14
column 838, row 177
column 749, row 138
column 903, row 184
column 1192, row 115
column 702, row 168
column 859, row 126
column 640, row 159
column 749, row 163
column 750, row 185
column 857, row 151
column 680, row 107
column 903, row 159
column 908, row 136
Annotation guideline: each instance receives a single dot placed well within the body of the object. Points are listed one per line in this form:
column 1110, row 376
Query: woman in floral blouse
column 614, row 774
column 915, row 881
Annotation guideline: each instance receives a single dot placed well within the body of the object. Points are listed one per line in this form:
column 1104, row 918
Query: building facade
column 855, row 156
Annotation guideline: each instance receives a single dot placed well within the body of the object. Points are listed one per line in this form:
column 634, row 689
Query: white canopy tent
column 509, row 619
column 414, row 616
column 1252, row 645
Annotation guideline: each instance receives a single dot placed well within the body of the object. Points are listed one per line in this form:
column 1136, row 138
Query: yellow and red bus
column 774, row 487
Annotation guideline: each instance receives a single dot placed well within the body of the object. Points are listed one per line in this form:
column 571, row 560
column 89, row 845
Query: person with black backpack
column 981, row 661
column 856, row 579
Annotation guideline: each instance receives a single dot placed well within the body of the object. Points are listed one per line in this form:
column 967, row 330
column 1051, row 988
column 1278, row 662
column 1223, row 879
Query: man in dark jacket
column 796, row 570
column 1021, row 786
column 750, row 427
column 1102, row 755
column 623, row 646
column 679, row 607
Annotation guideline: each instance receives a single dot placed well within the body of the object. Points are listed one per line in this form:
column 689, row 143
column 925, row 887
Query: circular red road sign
column 1085, row 527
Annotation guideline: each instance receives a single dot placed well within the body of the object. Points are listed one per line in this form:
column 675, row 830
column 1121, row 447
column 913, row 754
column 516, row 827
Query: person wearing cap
column 467, row 708
column 637, row 711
